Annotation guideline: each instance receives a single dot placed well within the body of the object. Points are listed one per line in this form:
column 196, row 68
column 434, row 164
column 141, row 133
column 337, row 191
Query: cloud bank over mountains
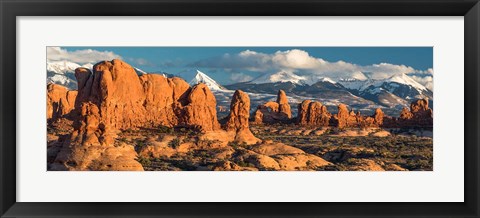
column 80, row 56
column 248, row 64
column 302, row 63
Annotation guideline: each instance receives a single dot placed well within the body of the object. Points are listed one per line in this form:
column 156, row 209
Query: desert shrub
column 165, row 129
column 121, row 140
column 175, row 143
column 206, row 142
column 245, row 164
column 183, row 165
column 203, row 153
column 144, row 161
column 236, row 144
column 140, row 143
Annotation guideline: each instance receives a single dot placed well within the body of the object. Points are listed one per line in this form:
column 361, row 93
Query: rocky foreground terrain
column 118, row 120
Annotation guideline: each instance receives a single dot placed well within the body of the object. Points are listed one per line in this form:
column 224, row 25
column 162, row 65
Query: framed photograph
column 239, row 109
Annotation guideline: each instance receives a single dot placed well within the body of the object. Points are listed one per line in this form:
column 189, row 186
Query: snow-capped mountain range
column 63, row 72
column 359, row 91
column 282, row 77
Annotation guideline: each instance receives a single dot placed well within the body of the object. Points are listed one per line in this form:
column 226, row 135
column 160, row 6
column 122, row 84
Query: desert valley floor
column 364, row 150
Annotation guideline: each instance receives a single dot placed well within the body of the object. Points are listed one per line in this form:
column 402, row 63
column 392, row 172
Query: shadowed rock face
column 274, row 112
column 238, row 118
column 313, row 114
column 406, row 114
column 114, row 98
column 60, row 101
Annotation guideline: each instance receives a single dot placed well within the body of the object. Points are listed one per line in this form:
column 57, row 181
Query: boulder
column 300, row 162
column 260, row 161
column 364, row 165
column 271, row 149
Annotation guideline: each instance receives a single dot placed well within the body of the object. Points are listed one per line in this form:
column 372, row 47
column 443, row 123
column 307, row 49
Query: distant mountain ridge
column 63, row 73
column 360, row 92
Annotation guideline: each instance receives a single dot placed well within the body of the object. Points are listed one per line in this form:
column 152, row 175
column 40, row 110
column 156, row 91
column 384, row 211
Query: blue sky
column 232, row 64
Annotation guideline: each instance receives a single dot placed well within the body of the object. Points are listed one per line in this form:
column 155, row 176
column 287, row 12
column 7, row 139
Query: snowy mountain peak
column 406, row 80
column 201, row 77
column 281, row 76
column 61, row 67
column 326, row 79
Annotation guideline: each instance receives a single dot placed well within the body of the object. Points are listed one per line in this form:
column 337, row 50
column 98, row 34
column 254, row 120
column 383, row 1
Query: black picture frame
column 10, row 9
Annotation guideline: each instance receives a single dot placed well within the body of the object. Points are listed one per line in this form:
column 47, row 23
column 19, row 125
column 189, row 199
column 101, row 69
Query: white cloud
column 140, row 61
column 240, row 77
column 302, row 63
column 426, row 81
column 80, row 56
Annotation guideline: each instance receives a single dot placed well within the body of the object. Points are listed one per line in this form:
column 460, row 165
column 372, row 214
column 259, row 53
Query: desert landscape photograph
column 239, row 108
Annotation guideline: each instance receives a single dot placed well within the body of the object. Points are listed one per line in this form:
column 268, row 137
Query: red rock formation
column 238, row 118
column 419, row 115
column 273, row 112
column 345, row 119
column 313, row 114
column 60, row 101
column 114, row 98
column 420, row 105
column 162, row 97
column 283, row 106
column 129, row 101
column 200, row 109
column 378, row 117
column 239, row 111
column 303, row 112
column 406, row 114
